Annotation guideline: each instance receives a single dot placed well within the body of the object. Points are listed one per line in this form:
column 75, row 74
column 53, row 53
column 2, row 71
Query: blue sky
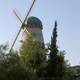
column 66, row 12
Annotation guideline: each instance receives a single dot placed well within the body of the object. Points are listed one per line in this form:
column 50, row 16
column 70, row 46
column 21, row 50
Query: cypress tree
column 51, row 69
column 55, row 67
column 53, row 46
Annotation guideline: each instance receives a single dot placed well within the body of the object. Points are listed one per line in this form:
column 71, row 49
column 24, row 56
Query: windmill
column 22, row 24
column 35, row 26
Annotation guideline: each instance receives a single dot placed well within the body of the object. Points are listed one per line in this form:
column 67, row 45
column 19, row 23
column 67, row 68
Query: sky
column 66, row 12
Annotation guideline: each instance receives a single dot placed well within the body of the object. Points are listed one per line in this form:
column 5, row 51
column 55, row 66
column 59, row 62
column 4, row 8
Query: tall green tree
column 55, row 68
column 52, row 63
column 53, row 46
column 32, row 55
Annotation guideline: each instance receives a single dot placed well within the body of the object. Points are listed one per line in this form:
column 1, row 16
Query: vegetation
column 56, row 63
column 10, row 66
column 31, row 62
column 33, row 56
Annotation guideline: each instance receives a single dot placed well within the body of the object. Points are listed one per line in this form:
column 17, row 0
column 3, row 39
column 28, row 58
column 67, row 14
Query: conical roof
column 34, row 22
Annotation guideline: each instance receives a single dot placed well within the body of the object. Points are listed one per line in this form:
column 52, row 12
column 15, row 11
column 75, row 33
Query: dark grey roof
column 34, row 22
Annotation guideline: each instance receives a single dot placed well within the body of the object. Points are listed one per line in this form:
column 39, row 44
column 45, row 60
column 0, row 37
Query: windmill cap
column 34, row 22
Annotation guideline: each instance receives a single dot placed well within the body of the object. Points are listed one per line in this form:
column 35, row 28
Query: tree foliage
column 31, row 62
column 56, row 63
column 10, row 66
column 32, row 55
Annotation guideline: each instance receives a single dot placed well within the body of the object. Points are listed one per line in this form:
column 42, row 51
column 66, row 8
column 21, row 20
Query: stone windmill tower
column 34, row 28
